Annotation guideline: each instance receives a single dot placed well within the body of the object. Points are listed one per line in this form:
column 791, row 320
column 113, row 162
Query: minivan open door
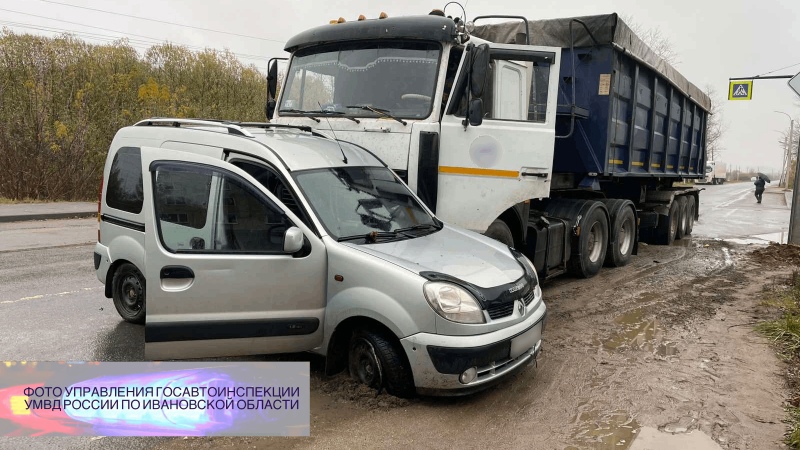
column 229, row 270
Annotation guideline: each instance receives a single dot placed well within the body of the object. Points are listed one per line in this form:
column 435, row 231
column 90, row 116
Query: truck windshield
column 396, row 77
column 356, row 201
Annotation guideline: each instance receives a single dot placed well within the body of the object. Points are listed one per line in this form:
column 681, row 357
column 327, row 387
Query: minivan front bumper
column 438, row 361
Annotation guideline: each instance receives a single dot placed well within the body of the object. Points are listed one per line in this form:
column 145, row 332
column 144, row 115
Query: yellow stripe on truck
column 479, row 172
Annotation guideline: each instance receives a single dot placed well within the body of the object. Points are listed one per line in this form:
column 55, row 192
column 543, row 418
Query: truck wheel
column 622, row 234
column 668, row 227
column 683, row 207
column 714, row 181
column 378, row 361
column 499, row 231
column 592, row 243
column 128, row 289
column 691, row 211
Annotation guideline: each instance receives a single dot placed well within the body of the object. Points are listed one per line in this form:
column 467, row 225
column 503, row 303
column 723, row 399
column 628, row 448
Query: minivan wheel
column 377, row 361
column 129, row 289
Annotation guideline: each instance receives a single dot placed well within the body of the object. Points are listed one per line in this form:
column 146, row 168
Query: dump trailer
column 563, row 138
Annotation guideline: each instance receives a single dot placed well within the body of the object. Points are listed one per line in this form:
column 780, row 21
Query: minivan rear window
column 125, row 188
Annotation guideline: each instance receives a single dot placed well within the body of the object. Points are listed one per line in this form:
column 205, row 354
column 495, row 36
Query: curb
column 48, row 216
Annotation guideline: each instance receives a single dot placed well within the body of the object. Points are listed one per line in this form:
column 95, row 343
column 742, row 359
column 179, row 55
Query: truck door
column 219, row 281
column 508, row 158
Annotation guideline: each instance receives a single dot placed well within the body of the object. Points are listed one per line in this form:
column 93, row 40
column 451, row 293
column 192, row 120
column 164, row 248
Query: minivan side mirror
column 292, row 240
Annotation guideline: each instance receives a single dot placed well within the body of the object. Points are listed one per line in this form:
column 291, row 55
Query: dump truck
column 564, row 139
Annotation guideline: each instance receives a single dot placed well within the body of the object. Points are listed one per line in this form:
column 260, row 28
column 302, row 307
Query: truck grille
column 505, row 309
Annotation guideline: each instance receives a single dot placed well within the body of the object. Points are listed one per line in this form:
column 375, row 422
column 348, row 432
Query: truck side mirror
column 272, row 79
column 292, row 240
column 272, row 88
column 479, row 69
column 475, row 113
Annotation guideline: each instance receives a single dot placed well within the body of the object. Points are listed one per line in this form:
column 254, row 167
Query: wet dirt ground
column 664, row 347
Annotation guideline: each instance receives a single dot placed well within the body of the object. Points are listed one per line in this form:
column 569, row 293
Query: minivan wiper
column 301, row 112
column 422, row 226
column 374, row 236
column 382, row 112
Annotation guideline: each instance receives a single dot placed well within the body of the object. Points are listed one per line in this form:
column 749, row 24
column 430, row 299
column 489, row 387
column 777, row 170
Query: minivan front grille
column 501, row 310
column 505, row 309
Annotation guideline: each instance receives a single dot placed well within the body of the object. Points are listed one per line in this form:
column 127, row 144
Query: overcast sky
column 714, row 40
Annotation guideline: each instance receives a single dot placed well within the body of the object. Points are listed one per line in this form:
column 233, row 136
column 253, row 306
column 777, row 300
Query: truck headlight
column 453, row 302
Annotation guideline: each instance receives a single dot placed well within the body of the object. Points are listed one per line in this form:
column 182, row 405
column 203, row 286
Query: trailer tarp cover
column 607, row 29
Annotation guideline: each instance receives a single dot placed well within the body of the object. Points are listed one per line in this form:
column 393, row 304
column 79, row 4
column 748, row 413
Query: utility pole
column 794, row 222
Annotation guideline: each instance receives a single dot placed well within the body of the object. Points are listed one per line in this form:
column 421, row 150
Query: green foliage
column 62, row 100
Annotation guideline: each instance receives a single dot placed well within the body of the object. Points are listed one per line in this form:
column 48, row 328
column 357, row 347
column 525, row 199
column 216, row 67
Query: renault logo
column 521, row 307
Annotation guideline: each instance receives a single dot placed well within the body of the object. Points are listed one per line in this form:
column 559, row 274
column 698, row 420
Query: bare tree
column 715, row 126
column 656, row 39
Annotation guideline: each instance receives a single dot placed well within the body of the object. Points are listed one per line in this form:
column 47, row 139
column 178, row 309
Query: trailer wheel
column 622, row 235
column 592, row 243
column 669, row 227
column 691, row 211
column 499, row 231
column 683, row 208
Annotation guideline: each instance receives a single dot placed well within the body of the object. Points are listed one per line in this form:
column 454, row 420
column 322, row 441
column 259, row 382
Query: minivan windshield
column 354, row 202
column 363, row 79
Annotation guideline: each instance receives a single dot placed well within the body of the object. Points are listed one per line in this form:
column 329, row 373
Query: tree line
column 62, row 100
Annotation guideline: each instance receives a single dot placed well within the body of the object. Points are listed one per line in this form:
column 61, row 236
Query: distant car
column 262, row 238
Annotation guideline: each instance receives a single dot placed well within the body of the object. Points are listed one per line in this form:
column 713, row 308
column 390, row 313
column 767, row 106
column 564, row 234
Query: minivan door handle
column 179, row 272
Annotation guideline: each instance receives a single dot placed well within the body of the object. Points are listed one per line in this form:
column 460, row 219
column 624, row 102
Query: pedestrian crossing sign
column 740, row 90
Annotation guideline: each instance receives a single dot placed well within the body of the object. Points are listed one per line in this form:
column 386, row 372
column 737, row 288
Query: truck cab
column 505, row 138
column 401, row 87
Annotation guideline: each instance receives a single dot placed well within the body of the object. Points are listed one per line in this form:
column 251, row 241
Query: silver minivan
column 233, row 239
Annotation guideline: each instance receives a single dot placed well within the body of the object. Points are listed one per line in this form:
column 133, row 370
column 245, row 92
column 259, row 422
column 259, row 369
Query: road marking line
column 36, row 297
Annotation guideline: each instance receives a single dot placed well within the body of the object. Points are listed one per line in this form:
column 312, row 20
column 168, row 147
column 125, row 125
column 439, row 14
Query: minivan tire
column 128, row 291
column 378, row 361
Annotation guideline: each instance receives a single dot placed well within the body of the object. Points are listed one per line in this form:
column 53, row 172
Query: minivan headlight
column 453, row 302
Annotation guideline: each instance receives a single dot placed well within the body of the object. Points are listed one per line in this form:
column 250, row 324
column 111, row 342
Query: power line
column 147, row 40
column 163, row 21
column 782, row 68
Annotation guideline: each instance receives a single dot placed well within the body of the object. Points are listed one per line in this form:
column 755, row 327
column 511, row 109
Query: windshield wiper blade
column 422, row 226
column 373, row 236
column 339, row 113
column 304, row 113
column 382, row 112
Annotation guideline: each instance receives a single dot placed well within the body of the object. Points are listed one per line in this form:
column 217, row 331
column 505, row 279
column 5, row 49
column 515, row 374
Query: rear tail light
column 99, row 205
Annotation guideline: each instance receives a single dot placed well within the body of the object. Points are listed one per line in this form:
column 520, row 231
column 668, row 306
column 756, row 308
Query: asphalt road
column 730, row 212
column 52, row 306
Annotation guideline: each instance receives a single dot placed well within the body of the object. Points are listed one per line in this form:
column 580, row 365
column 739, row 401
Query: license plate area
column 526, row 340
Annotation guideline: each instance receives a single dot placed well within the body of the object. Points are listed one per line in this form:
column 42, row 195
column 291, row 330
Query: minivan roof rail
column 175, row 122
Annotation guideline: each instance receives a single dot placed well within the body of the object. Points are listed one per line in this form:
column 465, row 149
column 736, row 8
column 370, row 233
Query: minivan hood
column 465, row 255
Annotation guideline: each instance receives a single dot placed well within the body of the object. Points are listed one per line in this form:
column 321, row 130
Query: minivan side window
column 125, row 190
column 201, row 209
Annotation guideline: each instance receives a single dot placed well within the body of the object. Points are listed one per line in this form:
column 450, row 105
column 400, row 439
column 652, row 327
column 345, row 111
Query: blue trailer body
column 637, row 125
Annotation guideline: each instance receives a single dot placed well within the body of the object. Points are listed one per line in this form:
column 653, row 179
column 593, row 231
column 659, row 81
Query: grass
column 784, row 332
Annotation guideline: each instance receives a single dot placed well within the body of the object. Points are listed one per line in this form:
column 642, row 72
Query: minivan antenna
column 344, row 158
